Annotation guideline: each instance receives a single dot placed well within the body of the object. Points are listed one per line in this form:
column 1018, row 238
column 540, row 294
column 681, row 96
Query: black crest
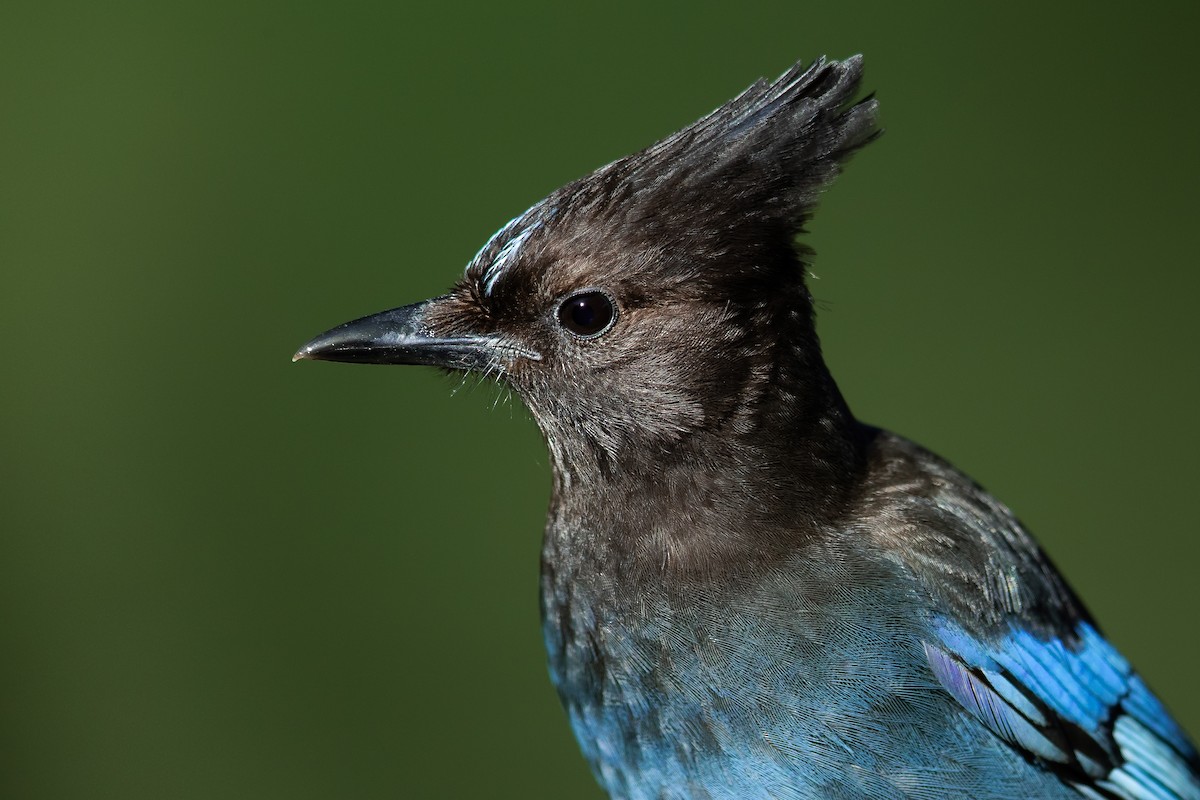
column 762, row 157
column 734, row 187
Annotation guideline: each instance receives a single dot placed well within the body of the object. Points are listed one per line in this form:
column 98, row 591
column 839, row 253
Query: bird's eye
column 587, row 314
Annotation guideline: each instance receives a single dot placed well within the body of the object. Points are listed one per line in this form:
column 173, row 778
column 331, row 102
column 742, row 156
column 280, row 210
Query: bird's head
column 660, row 297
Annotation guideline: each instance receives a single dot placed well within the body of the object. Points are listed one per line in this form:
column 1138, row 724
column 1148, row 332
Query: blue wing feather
column 1074, row 706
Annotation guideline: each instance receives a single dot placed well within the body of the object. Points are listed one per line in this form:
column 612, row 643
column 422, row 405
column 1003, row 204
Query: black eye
column 587, row 314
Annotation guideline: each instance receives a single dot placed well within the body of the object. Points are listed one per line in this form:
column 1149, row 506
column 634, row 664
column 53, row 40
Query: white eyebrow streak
column 519, row 228
column 505, row 257
column 492, row 239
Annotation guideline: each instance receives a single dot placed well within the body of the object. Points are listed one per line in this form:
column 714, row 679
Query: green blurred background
column 227, row 576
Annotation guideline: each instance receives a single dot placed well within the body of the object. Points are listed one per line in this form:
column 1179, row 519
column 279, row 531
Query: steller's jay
column 746, row 592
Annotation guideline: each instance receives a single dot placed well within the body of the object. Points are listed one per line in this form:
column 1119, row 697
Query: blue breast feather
column 1076, row 708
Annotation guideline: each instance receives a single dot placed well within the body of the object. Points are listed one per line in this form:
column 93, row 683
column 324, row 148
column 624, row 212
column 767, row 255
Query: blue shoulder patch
column 1075, row 707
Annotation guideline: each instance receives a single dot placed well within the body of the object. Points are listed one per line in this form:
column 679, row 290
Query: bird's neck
column 738, row 492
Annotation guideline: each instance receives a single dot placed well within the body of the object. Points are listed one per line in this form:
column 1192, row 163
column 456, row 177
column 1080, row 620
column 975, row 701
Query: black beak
column 399, row 336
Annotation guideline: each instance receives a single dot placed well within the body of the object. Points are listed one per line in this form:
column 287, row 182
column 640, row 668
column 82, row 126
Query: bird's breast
column 807, row 679
column 736, row 686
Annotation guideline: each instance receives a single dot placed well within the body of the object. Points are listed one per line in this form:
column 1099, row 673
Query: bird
column 746, row 592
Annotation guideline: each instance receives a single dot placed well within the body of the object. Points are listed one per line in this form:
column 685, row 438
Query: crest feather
column 745, row 177
column 766, row 155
